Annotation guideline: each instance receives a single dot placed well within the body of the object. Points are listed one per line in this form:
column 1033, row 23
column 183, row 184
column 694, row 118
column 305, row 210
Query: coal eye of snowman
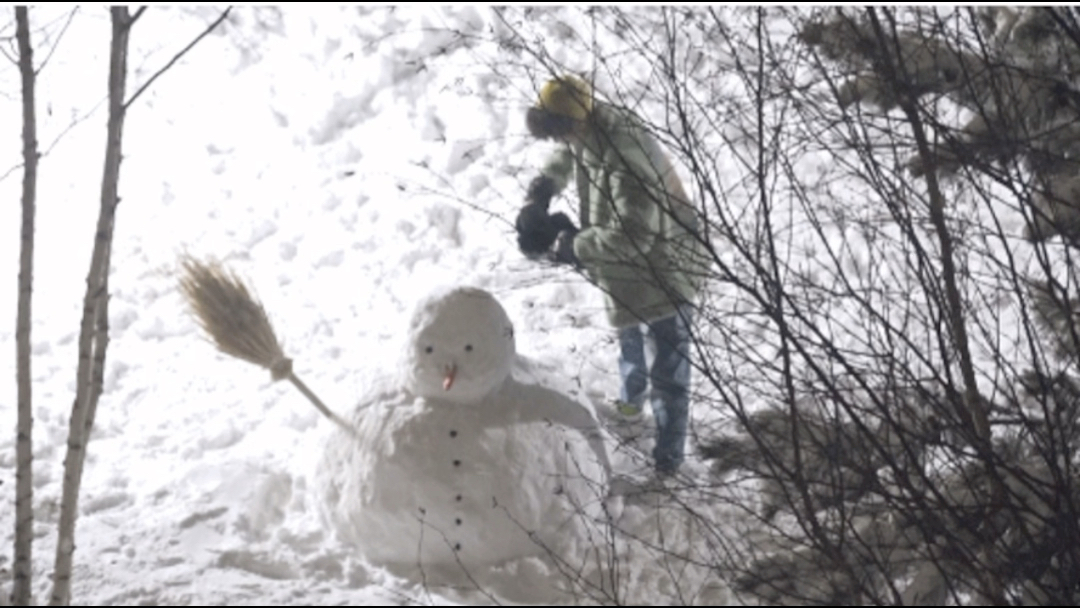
column 468, row 348
column 428, row 350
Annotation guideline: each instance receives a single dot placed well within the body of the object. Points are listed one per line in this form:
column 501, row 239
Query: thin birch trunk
column 93, row 333
column 24, row 448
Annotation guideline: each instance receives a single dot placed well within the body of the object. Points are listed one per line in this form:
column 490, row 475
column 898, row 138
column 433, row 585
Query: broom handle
column 319, row 404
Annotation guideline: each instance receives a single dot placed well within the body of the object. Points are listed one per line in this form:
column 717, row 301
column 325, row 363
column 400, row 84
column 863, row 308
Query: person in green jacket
column 638, row 243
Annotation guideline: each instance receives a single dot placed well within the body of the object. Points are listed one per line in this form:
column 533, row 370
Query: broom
column 238, row 325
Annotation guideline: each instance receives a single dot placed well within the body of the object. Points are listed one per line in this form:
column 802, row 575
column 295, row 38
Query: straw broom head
column 238, row 325
column 231, row 316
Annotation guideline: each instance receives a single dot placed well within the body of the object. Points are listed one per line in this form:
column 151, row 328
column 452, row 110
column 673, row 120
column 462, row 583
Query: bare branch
column 224, row 14
column 59, row 137
column 56, row 44
column 138, row 13
column 7, row 55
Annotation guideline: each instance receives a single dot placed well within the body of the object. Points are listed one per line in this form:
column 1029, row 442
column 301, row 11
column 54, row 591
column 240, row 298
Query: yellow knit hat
column 566, row 96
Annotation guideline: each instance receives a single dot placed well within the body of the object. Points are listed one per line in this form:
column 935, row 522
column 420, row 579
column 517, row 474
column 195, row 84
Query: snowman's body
column 502, row 468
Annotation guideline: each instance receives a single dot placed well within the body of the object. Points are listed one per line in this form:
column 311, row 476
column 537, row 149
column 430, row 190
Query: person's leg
column 670, row 375
column 632, row 369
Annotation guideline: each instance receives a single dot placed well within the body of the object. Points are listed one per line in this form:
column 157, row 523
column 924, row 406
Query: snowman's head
column 461, row 346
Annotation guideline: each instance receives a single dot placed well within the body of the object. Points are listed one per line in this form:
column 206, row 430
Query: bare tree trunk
column 93, row 333
column 24, row 489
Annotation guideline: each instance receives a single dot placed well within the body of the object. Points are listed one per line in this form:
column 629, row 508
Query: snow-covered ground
column 346, row 162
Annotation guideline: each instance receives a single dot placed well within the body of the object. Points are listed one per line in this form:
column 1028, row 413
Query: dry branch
column 213, row 25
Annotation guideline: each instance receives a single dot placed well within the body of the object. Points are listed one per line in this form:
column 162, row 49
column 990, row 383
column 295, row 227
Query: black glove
column 563, row 252
column 534, row 236
column 540, row 192
column 560, row 222
column 537, row 230
column 535, row 227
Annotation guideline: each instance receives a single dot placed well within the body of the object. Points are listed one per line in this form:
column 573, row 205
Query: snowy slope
column 346, row 162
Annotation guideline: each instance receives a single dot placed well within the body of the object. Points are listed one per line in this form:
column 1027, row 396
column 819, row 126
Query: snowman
column 466, row 459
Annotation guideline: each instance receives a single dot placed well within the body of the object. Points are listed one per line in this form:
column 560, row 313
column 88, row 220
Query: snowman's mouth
column 448, row 379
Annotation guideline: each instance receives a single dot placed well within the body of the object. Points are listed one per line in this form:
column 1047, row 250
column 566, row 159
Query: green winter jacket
column 638, row 238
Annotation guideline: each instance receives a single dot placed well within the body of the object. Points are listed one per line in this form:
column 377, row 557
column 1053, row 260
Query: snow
column 345, row 163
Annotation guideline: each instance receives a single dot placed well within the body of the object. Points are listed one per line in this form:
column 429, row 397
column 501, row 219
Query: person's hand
column 540, row 192
column 563, row 251
column 534, row 233
column 559, row 222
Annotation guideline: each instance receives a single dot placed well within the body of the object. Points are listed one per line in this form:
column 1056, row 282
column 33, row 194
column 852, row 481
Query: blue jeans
column 670, row 375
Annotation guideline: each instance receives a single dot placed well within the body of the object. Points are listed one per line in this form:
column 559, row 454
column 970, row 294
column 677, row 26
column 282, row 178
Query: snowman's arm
column 570, row 413
column 596, row 442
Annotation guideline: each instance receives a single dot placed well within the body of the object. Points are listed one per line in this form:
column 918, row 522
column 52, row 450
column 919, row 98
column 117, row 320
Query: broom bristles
column 238, row 324
column 228, row 313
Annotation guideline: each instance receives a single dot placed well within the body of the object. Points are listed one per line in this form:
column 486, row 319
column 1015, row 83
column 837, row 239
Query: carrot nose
column 448, row 379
